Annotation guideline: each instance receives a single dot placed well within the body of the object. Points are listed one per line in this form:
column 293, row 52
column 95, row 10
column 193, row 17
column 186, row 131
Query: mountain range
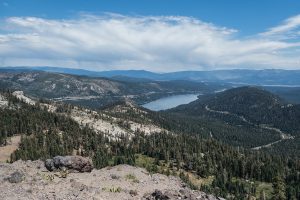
column 266, row 77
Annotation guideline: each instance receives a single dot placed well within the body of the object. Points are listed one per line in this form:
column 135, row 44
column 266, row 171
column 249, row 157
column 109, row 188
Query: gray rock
column 70, row 163
column 16, row 177
column 114, row 176
column 181, row 194
column 157, row 195
column 49, row 164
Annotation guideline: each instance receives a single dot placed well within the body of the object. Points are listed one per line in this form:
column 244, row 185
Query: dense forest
column 254, row 104
column 235, row 171
column 245, row 116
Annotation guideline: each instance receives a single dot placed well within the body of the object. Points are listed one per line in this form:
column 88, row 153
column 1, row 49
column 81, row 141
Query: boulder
column 70, row 163
column 181, row 194
column 157, row 195
column 16, row 177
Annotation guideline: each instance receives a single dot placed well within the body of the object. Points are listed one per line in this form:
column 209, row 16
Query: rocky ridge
column 100, row 122
column 24, row 180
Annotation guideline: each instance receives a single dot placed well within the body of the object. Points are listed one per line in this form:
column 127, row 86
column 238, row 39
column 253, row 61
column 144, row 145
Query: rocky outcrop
column 157, row 194
column 180, row 194
column 30, row 180
column 70, row 163
column 16, row 177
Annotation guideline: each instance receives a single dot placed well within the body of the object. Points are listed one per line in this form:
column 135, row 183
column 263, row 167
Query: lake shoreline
column 171, row 101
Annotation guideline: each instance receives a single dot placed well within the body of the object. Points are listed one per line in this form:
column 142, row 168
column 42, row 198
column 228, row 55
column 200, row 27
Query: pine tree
column 278, row 188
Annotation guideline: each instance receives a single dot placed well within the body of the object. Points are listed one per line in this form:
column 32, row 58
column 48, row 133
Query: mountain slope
column 94, row 92
column 47, row 132
column 267, row 109
column 246, row 116
column 254, row 104
column 109, row 183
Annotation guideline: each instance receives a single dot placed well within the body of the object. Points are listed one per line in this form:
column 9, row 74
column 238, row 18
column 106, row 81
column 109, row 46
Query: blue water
column 170, row 102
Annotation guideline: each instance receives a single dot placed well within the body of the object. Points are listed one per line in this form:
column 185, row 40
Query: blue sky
column 250, row 16
column 156, row 35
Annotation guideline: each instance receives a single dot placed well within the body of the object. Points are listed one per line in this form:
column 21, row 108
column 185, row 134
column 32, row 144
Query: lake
column 170, row 102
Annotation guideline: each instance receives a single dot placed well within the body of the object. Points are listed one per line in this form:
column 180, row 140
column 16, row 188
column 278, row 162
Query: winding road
column 284, row 136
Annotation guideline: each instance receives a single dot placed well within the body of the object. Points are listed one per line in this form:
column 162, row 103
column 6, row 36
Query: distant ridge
column 265, row 77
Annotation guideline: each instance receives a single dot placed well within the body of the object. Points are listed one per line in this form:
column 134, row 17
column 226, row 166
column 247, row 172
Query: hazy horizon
column 156, row 72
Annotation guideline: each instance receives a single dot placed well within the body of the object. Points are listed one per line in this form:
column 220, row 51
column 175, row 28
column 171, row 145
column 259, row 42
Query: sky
column 154, row 35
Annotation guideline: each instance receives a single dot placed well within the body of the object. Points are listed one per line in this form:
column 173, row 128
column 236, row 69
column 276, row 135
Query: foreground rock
column 70, row 163
column 181, row 194
column 16, row 177
column 121, row 182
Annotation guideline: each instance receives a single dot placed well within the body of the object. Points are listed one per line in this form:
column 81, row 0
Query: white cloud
column 287, row 27
column 158, row 43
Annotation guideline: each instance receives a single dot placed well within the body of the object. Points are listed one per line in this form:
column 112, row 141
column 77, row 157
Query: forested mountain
column 245, row 116
column 253, row 104
column 48, row 129
column 94, row 92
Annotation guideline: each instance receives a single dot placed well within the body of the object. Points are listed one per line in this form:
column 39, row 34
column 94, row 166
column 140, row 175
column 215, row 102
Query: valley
column 201, row 141
column 149, row 100
column 95, row 92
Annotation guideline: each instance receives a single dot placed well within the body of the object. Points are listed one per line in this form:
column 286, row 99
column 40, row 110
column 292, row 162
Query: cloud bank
column 155, row 43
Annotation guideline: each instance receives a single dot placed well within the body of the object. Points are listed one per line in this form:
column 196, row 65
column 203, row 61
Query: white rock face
column 3, row 102
column 101, row 123
column 20, row 95
column 91, row 119
column 30, row 77
column 104, row 123
column 53, row 86
column 145, row 128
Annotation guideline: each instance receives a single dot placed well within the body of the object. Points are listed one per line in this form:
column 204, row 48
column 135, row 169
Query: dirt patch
column 6, row 151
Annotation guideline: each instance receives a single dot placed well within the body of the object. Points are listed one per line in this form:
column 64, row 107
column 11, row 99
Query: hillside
column 94, row 92
column 247, row 116
column 48, row 129
column 248, row 97
column 256, row 105
column 119, row 182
